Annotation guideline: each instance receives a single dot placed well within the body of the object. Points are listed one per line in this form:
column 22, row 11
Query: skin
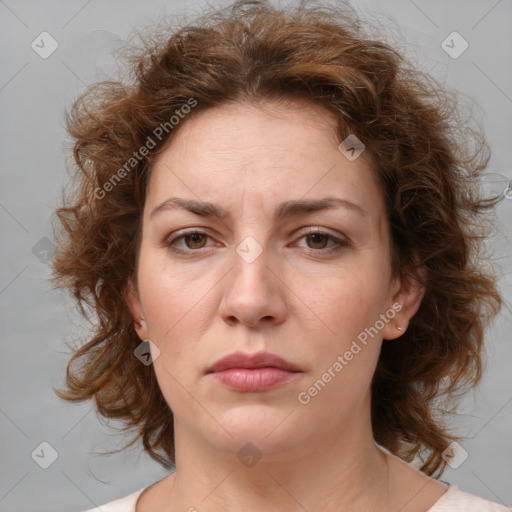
column 295, row 300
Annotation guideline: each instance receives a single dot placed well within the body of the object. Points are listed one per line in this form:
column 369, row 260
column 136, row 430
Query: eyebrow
column 284, row 210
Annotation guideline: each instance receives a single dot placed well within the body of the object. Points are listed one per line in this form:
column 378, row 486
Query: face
column 304, row 285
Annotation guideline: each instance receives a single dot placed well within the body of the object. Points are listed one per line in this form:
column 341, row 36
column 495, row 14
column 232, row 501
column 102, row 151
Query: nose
column 254, row 295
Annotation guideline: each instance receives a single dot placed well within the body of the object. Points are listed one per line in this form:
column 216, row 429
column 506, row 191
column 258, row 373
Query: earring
column 399, row 328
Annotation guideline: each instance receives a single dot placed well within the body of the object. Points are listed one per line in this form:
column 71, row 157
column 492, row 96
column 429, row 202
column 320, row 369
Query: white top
column 453, row 500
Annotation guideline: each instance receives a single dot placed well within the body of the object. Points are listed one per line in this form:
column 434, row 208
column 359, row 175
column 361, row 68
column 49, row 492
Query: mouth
column 253, row 381
column 253, row 373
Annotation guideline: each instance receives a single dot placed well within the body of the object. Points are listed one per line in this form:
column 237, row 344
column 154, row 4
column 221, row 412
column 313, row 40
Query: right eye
column 194, row 240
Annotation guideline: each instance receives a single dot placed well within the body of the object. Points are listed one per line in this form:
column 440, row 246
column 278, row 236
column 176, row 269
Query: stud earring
column 399, row 328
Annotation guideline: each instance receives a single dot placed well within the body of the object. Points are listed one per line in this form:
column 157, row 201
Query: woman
column 275, row 226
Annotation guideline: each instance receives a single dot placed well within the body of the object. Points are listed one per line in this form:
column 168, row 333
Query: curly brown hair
column 415, row 134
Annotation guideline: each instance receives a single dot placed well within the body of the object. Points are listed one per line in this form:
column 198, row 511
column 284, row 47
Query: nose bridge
column 250, row 273
column 252, row 291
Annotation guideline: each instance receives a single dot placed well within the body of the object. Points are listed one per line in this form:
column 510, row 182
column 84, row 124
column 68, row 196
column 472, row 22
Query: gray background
column 36, row 321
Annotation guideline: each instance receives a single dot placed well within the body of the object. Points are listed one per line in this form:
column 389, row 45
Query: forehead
column 250, row 128
column 264, row 153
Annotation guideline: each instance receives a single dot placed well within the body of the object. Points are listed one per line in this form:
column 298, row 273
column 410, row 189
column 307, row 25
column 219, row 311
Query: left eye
column 316, row 235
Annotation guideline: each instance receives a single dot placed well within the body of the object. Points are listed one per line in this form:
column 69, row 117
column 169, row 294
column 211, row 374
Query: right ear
column 135, row 307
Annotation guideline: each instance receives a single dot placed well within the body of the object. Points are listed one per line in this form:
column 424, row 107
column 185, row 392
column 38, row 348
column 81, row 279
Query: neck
column 342, row 471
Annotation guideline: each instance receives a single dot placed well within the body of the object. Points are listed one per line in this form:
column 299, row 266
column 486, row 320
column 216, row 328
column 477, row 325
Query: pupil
column 195, row 237
column 315, row 240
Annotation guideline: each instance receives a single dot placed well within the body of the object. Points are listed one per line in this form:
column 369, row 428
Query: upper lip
column 259, row 360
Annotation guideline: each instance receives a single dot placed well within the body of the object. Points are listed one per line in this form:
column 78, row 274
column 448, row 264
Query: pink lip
column 253, row 372
column 258, row 379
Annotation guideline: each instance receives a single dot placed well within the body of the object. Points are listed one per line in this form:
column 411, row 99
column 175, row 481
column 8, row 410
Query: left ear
column 407, row 296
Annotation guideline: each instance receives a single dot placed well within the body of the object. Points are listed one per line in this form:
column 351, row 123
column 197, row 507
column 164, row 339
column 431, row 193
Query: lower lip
column 253, row 380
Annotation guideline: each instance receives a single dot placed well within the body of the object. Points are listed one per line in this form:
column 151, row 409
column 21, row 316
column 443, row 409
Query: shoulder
column 126, row 504
column 455, row 499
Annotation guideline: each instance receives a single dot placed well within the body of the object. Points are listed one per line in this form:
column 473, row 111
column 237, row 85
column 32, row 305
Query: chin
column 267, row 427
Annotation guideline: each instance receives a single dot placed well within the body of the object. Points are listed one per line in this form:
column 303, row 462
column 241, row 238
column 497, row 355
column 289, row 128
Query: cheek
column 350, row 307
column 345, row 350
column 171, row 296
column 179, row 309
column 351, row 301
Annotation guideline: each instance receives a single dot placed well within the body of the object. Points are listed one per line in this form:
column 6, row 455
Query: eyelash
column 340, row 244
